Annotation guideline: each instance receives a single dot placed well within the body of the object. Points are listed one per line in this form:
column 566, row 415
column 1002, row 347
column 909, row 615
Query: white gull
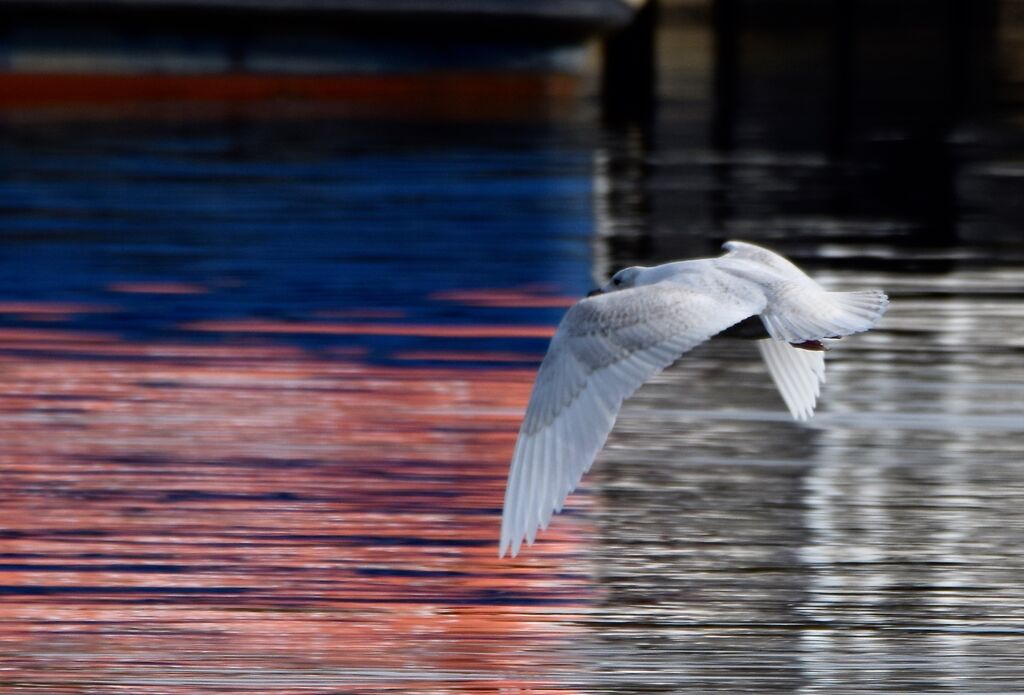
column 639, row 323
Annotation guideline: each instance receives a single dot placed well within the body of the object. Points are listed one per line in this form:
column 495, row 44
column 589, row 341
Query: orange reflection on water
column 51, row 312
column 256, row 518
column 421, row 330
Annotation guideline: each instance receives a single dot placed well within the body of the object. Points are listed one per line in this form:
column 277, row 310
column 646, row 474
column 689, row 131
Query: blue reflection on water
column 284, row 220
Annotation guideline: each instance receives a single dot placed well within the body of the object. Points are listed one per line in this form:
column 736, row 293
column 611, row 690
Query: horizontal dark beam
column 571, row 18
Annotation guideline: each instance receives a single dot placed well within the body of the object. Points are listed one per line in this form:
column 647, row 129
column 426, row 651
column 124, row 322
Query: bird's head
column 622, row 280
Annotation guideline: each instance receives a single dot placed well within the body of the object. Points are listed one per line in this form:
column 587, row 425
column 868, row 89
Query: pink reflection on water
column 157, row 287
column 530, row 296
column 184, row 518
column 467, row 356
column 52, row 311
column 405, row 329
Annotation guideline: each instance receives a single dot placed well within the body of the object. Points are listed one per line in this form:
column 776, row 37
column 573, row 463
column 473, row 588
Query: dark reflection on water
column 263, row 376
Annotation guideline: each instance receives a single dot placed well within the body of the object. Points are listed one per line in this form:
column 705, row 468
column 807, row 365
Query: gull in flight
column 639, row 323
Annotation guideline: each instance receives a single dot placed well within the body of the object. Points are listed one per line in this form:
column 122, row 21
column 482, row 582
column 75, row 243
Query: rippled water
column 262, row 378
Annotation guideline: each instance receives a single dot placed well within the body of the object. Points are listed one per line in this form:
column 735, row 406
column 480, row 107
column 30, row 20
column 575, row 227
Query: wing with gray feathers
column 605, row 348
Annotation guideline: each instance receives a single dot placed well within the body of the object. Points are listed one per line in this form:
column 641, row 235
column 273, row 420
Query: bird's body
column 642, row 321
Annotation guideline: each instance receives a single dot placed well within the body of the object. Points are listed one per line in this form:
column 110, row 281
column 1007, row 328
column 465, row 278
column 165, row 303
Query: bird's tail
column 800, row 313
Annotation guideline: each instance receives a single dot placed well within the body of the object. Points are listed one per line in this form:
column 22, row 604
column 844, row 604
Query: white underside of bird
column 641, row 322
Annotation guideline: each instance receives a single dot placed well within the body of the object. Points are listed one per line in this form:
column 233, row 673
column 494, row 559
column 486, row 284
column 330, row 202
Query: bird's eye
column 616, row 281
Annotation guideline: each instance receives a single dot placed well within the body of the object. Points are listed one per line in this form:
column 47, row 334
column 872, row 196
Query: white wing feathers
column 605, row 348
column 798, row 374
column 799, row 309
column 799, row 314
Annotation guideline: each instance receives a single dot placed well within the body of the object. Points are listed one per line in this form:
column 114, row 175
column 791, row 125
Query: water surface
column 263, row 378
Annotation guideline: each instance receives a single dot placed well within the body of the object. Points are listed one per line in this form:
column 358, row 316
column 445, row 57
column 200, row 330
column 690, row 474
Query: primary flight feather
column 639, row 323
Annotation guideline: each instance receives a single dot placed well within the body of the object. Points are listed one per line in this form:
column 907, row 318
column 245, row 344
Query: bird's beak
column 595, row 292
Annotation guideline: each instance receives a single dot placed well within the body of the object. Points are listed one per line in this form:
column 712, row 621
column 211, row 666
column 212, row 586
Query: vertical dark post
column 844, row 47
column 970, row 38
column 970, row 59
column 725, row 26
column 629, row 80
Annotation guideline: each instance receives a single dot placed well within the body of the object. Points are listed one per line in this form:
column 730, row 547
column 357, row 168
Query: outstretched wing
column 799, row 310
column 605, row 348
column 797, row 373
